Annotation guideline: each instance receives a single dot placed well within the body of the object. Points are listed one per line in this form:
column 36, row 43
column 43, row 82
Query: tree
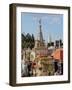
column 32, row 41
column 49, row 44
column 61, row 44
column 23, row 40
column 27, row 41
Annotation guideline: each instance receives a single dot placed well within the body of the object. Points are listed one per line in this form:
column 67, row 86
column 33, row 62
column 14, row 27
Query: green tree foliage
column 27, row 41
column 49, row 44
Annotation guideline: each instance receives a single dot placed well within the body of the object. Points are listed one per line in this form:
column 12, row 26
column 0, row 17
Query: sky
column 52, row 25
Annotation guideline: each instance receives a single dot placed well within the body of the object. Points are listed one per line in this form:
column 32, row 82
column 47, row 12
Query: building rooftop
column 58, row 54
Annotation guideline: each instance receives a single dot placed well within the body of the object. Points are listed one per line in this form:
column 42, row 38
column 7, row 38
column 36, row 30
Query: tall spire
column 39, row 41
column 50, row 39
column 40, row 21
column 40, row 35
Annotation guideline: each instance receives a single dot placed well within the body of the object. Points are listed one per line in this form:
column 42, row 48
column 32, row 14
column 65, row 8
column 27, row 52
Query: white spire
column 40, row 35
column 49, row 38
